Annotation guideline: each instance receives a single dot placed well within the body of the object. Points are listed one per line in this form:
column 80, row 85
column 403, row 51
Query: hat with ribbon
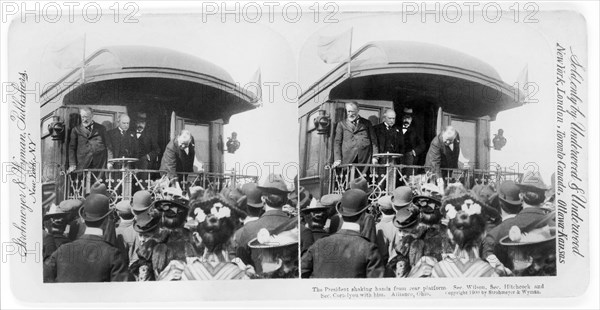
column 253, row 195
column 95, row 208
column 406, row 217
column 286, row 234
column 541, row 231
column 55, row 212
column 274, row 184
column 532, row 181
column 145, row 222
column 402, row 197
column 354, row 202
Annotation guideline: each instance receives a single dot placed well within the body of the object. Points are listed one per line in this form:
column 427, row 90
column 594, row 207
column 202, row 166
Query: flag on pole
column 335, row 49
column 522, row 81
column 256, row 80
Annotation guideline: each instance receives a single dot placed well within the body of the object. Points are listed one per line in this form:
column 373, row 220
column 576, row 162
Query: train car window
column 200, row 132
column 373, row 115
column 467, row 130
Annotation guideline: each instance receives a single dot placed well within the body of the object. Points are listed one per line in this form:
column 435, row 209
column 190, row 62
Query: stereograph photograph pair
column 299, row 146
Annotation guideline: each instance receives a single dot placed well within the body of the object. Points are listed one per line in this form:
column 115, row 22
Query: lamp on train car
column 232, row 143
column 322, row 122
column 498, row 142
column 57, row 128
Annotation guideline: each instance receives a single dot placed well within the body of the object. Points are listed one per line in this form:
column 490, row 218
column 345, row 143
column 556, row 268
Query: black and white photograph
column 299, row 154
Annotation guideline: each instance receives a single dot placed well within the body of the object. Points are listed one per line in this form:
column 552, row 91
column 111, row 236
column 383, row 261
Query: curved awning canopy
column 146, row 77
column 411, row 72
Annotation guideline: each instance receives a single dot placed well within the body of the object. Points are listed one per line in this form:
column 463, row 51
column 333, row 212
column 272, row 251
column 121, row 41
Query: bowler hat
column 141, row 201
column 330, row 200
column 406, row 217
column 385, row 202
column 99, row 188
column 407, row 111
column 532, row 181
column 124, row 206
column 354, row 202
column 274, row 184
column 360, row 183
column 402, row 196
column 253, row 194
column 145, row 222
column 509, row 193
column 95, row 208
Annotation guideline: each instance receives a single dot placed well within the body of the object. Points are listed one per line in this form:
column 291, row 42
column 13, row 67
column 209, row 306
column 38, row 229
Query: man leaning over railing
column 444, row 153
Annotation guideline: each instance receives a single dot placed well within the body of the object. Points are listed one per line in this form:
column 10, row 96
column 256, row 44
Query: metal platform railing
column 383, row 179
column 121, row 184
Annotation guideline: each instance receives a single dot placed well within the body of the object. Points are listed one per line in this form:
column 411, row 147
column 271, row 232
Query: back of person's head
column 275, row 200
column 215, row 232
column 466, row 230
column 533, row 197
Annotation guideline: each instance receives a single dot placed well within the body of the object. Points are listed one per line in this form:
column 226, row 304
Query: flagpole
column 350, row 52
column 83, row 62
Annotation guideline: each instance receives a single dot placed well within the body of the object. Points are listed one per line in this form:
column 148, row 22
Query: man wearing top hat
column 345, row 254
column 87, row 144
column 147, row 145
column 413, row 143
column 89, row 258
column 355, row 140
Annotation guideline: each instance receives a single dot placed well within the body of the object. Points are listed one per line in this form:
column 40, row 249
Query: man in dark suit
column 179, row 155
column 413, row 142
column 355, row 140
column 147, row 146
column 345, row 254
column 87, row 145
column 121, row 142
column 389, row 137
column 89, row 258
column 444, row 153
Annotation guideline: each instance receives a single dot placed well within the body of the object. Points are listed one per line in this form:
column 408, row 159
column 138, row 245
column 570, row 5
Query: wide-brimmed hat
column 304, row 200
column 141, row 201
column 354, row 202
column 461, row 199
column 165, row 204
column 385, row 202
column 360, row 183
column 538, row 232
column 124, row 206
column 99, row 188
column 265, row 240
column 532, row 181
column 145, row 222
column 330, row 200
column 253, row 195
column 406, row 217
column 428, row 198
column 55, row 212
column 274, row 184
column 402, row 196
column 95, row 208
column 314, row 205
